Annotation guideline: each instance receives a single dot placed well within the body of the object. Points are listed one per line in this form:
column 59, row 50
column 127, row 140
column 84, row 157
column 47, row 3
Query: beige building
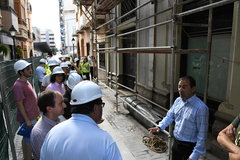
column 145, row 46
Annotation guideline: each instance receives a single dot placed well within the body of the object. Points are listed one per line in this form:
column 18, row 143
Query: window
column 102, row 57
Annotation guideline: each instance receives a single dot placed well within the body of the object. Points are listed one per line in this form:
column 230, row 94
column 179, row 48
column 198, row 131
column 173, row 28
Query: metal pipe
column 144, row 4
column 99, row 49
column 206, row 7
column 116, row 55
column 172, row 72
column 105, row 23
column 152, row 122
column 209, row 39
column 140, row 96
column 145, row 48
column 144, row 28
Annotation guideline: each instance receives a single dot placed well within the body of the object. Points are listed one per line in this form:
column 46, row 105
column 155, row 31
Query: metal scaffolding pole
column 116, row 57
column 172, row 73
column 206, row 7
column 209, row 40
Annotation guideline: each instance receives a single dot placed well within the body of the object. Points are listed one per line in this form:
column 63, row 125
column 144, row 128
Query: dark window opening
column 102, row 57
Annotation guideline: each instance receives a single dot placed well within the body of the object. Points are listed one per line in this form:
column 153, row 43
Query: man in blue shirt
column 80, row 137
column 190, row 115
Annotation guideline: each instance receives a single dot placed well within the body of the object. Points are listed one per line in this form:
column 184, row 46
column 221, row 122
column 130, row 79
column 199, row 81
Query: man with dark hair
column 190, row 115
column 80, row 137
column 26, row 100
column 52, row 105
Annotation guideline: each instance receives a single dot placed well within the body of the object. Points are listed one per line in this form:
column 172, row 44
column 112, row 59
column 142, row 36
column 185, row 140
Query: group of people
column 67, row 94
column 80, row 101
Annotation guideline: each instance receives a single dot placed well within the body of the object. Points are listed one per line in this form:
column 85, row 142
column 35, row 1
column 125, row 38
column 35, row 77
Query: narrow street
column 125, row 130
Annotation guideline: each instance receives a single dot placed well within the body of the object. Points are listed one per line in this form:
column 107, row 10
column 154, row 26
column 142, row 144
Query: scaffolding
column 173, row 49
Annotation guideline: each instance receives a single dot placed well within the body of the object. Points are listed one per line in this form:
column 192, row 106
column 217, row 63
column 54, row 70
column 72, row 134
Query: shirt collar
column 190, row 100
column 49, row 121
column 83, row 117
column 57, row 84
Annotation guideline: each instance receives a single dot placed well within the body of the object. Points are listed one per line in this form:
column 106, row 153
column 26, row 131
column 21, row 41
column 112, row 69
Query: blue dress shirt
column 191, row 123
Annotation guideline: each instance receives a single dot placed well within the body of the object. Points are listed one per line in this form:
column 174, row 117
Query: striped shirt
column 191, row 123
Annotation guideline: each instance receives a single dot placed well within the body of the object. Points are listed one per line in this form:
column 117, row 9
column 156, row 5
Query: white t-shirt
column 40, row 72
column 46, row 80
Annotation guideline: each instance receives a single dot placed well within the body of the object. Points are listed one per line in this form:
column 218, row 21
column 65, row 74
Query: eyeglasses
column 101, row 104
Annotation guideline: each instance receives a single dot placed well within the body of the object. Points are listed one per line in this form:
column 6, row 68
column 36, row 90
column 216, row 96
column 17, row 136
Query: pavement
column 125, row 130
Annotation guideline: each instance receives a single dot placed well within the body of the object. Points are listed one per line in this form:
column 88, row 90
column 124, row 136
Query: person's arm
column 23, row 113
column 167, row 120
column 202, row 128
column 77, row 69
column 227, row 141
column 234, row 156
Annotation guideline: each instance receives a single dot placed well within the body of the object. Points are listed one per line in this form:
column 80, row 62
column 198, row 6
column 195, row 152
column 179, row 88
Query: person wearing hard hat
column 41, row 72
column 65, row 68
column 52, row 63
column 26, row 101
column 73, row 80
column 51, row 104
column 80, row 137
column 57, row 79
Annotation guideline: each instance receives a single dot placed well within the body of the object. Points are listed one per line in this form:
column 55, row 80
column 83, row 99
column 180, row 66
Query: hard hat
column 76, row 59
column 20, row 65
column 68, row 63
column 84, row 92
column 52, row 62
column 64, row 65
column 73, row 80
column 58, row 70
column 43, row 61
column 66, row 56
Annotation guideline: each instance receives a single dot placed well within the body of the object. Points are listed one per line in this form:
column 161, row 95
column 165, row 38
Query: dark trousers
column 87, row 76
column 92, row 72
column 182, row 150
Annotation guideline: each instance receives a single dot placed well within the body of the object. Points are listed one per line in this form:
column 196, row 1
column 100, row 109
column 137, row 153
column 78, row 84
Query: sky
column 45, row 15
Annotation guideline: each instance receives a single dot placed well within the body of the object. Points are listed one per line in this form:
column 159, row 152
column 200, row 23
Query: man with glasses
column 80, row 137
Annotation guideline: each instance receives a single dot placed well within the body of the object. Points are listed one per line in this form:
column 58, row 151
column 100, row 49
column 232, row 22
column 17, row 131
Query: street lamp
column 13, row 32
column 73, row 41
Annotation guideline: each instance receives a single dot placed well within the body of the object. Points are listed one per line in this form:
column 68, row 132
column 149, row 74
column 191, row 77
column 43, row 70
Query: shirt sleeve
column 113, row 153
column 202, row 127
column 236, row 121
column 169, row 118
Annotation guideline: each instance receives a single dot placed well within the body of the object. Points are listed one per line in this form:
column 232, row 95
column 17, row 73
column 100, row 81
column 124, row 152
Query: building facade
column 145, row 46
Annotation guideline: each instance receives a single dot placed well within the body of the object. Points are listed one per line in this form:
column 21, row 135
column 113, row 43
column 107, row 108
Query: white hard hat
column 58, row 70
column 66, row 56
column 20, row 65
column 43, row 61
column 64, row 65
column 84, row 92
column 52, row 62
column 73, row 80
column 68, row 63
column 76, row 59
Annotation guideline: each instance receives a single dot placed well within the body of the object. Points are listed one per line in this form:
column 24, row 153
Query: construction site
column 144, row 46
